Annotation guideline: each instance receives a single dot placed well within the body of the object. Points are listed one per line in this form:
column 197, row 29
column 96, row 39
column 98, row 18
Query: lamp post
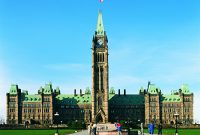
column 56, row 116
column 139, row 123
column 141, row 127
column 176, row 115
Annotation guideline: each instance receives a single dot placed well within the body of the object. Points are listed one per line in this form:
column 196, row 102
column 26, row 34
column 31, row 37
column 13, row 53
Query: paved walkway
column 84, row 132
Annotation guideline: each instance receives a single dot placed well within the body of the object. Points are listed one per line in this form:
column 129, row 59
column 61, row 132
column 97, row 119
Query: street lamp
column 176, row 115
column 139, row 123
column 141, row 127
column 56, row 116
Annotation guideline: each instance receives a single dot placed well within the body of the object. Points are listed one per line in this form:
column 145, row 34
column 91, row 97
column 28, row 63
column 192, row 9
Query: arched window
column 100, row 102
column 102, row 57
column 101, row 77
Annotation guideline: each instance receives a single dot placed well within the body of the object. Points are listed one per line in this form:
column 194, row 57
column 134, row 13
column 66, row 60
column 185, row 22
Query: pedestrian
column 119, row 129
column 94, row 129
column 89, row 129
column 151, row 128
column 142, row 130
column 115, row 125
column 159, row 129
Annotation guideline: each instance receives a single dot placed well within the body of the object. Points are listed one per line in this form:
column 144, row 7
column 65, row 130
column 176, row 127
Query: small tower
column 14, row 109
column 100, row 84
column 152, row 104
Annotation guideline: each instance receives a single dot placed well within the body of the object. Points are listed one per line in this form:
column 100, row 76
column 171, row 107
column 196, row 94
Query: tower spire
column 100, row 28
column 100, row 72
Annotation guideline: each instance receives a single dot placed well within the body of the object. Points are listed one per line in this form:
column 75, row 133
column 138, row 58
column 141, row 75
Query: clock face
column 99, row 42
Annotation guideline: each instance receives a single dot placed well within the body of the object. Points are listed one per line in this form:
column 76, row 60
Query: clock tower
column 100, row 83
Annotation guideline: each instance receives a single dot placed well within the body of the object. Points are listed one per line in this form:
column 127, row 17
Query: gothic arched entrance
column 99, row 119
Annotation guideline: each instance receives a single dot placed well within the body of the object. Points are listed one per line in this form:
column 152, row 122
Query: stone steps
column 106, row 127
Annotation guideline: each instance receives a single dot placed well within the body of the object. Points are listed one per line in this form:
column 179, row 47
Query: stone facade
column 101, row 104
column 150, row 105
column 100, row 74
column 22, row 107
column 161, row 108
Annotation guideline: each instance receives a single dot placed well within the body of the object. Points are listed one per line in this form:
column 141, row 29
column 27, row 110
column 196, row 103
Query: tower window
column 100, row 102
column 103, row 57
column 100, row 57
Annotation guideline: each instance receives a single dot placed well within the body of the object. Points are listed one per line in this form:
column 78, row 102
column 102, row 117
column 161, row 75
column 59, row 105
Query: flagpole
column 100, row 5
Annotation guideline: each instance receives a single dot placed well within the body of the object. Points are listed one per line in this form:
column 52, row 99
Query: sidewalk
column 84, row 132
column 148, row 134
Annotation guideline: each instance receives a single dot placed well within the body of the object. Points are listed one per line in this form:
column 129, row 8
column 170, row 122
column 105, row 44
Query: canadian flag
column 101, row 0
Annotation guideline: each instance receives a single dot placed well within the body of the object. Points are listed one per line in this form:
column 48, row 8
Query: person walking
column 94, row 129
column 90, row 129
column 119, row 129
column 159, row 129
column 142, row 129
column 151, row 128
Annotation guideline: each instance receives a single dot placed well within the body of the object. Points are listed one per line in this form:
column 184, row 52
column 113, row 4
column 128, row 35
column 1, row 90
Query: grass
column 35, row 132
column 180, row 131
column 68, row 131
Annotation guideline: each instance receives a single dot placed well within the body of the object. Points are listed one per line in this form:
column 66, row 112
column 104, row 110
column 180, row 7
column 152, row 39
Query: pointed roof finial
column 100, row 28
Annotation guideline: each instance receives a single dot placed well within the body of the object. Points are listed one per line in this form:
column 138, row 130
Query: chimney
column 124, row 92
column 118, row 92
column 80, row 92
column 74, row 92
column 149, row 83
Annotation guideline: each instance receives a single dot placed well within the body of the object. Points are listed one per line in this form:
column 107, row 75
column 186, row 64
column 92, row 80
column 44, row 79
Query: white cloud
column 182, row 67
column 129, row 69
column 167, row 68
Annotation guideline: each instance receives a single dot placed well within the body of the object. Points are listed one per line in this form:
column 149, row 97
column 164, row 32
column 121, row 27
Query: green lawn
column 35, row 132
column 180, row 131
column 68, row 131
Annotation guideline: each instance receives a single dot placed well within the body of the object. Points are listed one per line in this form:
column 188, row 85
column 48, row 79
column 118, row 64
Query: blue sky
column 149, row 40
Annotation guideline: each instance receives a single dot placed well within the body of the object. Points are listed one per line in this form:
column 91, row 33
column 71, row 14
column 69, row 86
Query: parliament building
column 100, row 103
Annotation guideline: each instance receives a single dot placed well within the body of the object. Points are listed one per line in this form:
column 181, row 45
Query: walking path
column 84, row 132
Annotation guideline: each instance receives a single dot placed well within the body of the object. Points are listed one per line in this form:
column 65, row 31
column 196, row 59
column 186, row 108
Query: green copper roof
column 126, row 100
column 174, row 92
column 111, row 96
column 87, row 91
column 100, row 28
column 74, row 100
column 141, row 89
column 185, row 89
column 112, row 90
column 40, row 90
column 48, row 89
column 171, row 98
column 58, row 89
column 13, row 89
column 152, row 89
column 31, row 98
column 87, row 99
column 25, row 92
